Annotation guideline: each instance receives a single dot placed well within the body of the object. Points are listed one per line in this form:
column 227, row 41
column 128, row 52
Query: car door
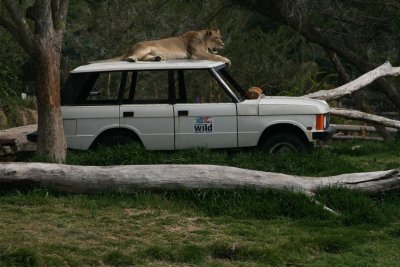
column 94, row 108
column 205, row 115
column 147, row 111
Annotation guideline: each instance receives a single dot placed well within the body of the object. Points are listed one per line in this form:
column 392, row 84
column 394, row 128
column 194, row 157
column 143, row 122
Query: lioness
column 202, row 44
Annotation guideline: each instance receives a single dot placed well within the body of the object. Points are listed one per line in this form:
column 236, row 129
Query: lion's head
column 214, row 41
column 254, row 92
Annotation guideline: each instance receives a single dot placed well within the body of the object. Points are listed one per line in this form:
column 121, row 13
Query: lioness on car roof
column 203, row 44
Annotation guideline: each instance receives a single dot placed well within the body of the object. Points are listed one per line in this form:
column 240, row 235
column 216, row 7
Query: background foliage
column 264, row 52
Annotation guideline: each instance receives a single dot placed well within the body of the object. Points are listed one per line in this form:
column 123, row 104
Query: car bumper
column 324, row 135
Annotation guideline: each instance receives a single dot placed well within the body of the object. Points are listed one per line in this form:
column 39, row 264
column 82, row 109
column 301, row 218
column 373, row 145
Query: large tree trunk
column 90, row 179
column 51, row 140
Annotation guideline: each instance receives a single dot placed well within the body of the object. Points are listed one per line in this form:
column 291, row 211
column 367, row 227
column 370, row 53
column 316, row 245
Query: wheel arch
column 113, row 131
column 286, row 127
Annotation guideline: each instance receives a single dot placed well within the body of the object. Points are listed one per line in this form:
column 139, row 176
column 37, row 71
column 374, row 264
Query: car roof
column 148, row 65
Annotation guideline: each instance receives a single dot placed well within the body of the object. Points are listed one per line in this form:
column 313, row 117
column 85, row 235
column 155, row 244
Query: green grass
column 243, row 227
column 201, row 227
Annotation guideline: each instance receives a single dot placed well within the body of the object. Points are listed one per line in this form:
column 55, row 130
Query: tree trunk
column 90, row 179
column 51, row 139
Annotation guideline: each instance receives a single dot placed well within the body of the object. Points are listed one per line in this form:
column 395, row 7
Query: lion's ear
column 217, row 30
column 209, row 32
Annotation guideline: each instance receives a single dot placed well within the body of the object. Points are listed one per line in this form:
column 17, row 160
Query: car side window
column 146, row 87
column 105, row 87
column 202, row 87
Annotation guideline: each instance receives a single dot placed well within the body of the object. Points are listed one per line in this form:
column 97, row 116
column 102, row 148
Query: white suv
column 182, row 104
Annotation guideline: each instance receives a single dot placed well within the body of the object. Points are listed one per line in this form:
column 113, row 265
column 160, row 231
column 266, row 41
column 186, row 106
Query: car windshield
column 232, row 83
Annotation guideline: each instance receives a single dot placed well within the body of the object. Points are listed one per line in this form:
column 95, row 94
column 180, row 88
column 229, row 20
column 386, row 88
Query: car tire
column 283, row 143
column 116, row 139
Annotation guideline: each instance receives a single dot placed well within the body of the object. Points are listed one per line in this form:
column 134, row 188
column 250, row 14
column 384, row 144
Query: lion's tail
column 107, row 60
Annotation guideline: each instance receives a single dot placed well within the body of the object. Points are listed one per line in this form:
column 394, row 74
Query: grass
column 201, row 227
column 243, row 227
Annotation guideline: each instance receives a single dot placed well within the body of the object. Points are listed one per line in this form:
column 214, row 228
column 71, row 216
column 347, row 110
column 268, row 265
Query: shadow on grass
column 19, row 257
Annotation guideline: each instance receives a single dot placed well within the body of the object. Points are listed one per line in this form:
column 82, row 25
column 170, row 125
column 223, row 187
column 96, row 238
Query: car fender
column 307, row 134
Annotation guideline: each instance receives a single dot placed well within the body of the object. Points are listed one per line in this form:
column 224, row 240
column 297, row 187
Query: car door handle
column 128, row 114
column 183, row 112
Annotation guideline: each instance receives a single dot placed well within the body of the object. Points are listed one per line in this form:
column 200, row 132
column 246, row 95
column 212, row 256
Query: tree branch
column 59, row 9
column 21, row 30
column 40, row 12
column 338, row 65
column 362, row 116
column 385, row 69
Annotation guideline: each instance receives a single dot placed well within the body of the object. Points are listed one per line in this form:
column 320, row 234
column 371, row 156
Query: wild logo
column 203, row 125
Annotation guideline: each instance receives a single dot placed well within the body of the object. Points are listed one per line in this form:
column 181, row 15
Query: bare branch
column 362, row 116
column 16, row 15
column 385, row 69
column 59, row 9
column 41, row 14
column 55, row 8
column 338, row 65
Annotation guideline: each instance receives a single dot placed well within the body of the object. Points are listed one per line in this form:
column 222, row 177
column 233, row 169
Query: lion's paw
column 226, row 61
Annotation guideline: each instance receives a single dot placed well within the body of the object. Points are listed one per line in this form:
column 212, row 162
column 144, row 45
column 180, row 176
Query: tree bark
column 90, row 179
column 51, row 139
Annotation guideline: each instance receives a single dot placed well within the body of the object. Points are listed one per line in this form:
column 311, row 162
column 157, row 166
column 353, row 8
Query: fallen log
column 367, row 117
column 93, row 179
column 359, row 132
column 19, row 134
column 359, row 128
column 355, row 137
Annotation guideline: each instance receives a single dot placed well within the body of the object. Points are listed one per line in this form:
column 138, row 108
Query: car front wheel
column 283, row 143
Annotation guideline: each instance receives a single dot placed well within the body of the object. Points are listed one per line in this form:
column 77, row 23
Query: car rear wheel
column 113, row 139
column 283, row 143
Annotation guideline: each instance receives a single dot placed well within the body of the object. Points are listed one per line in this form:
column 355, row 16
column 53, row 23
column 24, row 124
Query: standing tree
column 42, row 40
